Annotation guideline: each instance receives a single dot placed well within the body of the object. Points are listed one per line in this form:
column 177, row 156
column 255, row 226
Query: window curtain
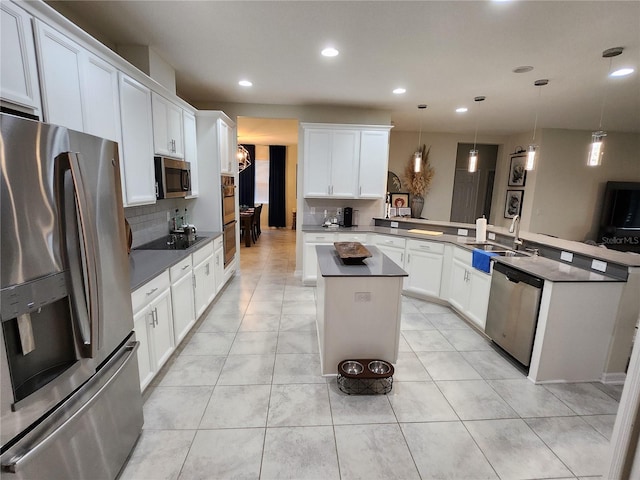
column 247, row 187
column 277, row 200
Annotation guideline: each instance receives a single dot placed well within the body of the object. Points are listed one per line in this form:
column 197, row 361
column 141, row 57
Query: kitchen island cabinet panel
column 358, row 309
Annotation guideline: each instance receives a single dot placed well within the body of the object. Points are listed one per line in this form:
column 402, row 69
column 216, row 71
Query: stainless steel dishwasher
column 512, row 316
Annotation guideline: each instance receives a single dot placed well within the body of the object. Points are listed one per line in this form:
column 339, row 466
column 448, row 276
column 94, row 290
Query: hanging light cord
column 475, row 137
column 604, row 96
column 535, row 122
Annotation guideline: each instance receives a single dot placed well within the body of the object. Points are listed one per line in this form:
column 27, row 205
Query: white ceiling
column 443, row 52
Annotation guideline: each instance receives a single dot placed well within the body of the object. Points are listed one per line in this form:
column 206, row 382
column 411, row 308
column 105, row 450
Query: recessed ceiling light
column 330, row 52
column 622, row 72
column 462, row 109
column 245, row 83
column 523, row 69
column 400, row 91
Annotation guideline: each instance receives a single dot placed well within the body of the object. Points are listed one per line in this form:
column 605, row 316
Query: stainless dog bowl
column 352, row 368
column 379, row 367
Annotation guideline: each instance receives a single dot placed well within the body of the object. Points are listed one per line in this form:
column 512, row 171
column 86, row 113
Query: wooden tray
column 351, row 253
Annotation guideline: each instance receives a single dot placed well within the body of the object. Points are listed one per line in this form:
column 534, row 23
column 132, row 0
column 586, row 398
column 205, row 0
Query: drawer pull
column 151, row 291
column 185, row 267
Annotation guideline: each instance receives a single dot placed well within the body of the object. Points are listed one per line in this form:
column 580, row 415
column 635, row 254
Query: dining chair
column 255, row 227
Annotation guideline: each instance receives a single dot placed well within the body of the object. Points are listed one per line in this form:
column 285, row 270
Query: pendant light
column 473, row 154
column 417, row 156
column 244, row 159
column 596, row 149
column 532, row 148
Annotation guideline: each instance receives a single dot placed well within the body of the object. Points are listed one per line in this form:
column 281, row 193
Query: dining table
column 246, row 219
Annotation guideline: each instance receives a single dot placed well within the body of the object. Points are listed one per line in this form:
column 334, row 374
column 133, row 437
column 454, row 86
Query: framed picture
column 517, row 172
column 513, row 203
column 400, row 200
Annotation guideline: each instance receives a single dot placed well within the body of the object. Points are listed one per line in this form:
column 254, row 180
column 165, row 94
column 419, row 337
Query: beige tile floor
column 242, row 398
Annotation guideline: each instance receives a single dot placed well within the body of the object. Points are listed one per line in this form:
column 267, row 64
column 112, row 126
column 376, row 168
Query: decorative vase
column 416, row 206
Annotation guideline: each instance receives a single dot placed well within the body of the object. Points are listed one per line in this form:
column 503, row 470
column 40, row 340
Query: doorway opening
column 472, row 192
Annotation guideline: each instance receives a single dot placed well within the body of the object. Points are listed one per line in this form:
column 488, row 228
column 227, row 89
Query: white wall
column 444, row 147
column 568, row 195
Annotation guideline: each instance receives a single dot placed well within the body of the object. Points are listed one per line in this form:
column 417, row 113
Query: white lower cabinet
column 153, row 324
column 392, row 247
column 218, row 260
column 424, row 265
column 182, row 299
column 310, row 258
column 469, row 288
column 204, row 283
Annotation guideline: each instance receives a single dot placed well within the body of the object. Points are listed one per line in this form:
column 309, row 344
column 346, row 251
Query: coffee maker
column 348, row 216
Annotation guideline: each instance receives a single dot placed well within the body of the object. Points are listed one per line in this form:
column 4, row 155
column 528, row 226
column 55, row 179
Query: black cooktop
column 170, row 242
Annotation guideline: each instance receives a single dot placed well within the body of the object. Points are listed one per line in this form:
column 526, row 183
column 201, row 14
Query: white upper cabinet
column 374, row 162
column 79, row 90
column 191, row 149
column 18, row 75
column 101, row 98
column 330, row 162
column 167, row 127
column 60, row 73
column 137, row 143
column 344, row 161
column 226, row 146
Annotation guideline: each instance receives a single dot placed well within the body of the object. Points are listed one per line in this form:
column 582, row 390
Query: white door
column 219, row 268
column 141, row 322
column 161, row 142
column 224, row 147
column 373, row 165
column 191, row 149
column 60, row 60
column 479, row 297
column 459, row 287
column 317, row 163
column 204, row 285
column 395, row 254
column 425, row 272
column 183, row 306
column 101, row 99
column 18, row 75
column 162, row 331
column 345, row 155
column 174, row 117
column 137, row 143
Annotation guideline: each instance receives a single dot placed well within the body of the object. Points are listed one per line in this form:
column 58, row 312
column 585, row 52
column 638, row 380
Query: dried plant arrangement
column 418, row 183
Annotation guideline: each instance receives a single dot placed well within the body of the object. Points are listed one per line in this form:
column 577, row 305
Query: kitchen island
column 358, row 308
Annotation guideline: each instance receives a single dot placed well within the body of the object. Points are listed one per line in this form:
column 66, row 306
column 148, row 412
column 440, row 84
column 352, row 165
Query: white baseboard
column 613, row 378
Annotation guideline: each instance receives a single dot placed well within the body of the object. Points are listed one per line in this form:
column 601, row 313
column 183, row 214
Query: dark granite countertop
column 378, row 265
column 145, row 265
column 545, row 268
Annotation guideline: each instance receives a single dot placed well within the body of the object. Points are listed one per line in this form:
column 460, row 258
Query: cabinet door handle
column 151, row 291
column 194, row 281
column 155, row 310
column 185, row 267
column 153, row 321
column 402, row 257
column 360, row 191
column 425, row 247
column 206, row 270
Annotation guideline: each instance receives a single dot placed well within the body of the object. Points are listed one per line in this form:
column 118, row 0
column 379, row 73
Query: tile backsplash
column 149, row 222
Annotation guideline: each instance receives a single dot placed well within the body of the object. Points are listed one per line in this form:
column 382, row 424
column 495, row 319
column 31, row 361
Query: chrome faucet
column 515, row 226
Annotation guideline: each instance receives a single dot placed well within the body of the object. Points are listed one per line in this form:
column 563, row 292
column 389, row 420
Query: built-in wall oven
column 229, row 218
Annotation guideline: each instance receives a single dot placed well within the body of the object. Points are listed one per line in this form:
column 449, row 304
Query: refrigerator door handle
column 47, row 432
column 80, row 251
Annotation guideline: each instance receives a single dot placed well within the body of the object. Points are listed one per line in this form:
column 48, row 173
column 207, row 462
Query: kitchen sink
column 498, row 249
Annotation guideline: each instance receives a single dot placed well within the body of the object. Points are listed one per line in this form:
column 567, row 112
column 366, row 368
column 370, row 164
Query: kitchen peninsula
column 589, row 306
column 358, row 308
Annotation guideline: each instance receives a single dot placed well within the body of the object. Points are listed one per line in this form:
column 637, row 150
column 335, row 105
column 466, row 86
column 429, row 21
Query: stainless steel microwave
column 173, row 177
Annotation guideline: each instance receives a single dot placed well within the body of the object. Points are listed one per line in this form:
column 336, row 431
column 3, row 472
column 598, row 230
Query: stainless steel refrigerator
column 70, row 398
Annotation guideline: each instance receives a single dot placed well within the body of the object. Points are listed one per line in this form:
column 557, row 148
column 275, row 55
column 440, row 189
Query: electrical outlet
column 362, row 297
column 463, row 232
column 491, row 236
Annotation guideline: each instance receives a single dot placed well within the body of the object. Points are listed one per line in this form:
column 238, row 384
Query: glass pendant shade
column 473, row 161
column 417, row 161
column 596, row 149
column 531, row 157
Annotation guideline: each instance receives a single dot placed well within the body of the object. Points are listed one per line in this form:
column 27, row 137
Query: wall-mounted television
column 620, row 217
